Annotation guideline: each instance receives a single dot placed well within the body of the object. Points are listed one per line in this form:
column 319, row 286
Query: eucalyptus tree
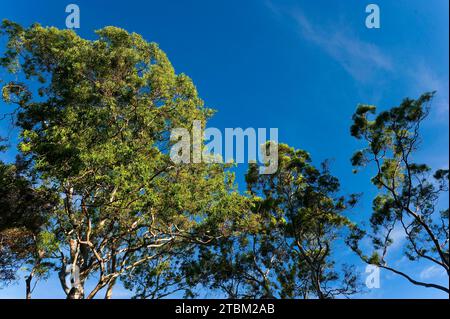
column 23, row 210
column 285, row 246
column 412, row 199
column 95, row 118
column 303, row 202
column 242, row 265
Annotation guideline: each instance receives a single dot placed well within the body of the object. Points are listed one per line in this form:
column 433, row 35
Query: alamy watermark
column 207, row 146
column 373, row 19
column 373, row 277
column 73, row 19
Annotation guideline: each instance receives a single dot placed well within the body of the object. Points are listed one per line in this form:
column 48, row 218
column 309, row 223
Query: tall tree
column 410, row 195
column 286, row 244
column 303, row 202
column 95, row 128
column 242, row 264
column 24, row 210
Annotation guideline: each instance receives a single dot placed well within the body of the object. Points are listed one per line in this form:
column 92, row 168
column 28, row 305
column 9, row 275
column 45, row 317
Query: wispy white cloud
column 431, row 272
column 398, row 238
column 425, row 79
column 365, row 61
column 359, row 58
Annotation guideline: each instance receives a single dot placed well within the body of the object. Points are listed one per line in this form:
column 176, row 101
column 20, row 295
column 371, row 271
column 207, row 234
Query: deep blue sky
column 300, row 66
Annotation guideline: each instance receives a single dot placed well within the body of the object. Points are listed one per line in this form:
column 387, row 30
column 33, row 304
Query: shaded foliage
column 410, row 195
column 286, row 248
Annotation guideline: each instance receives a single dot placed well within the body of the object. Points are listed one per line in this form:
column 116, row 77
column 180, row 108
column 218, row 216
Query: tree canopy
column 94, row 194
column 95, row 131
column 409, row 198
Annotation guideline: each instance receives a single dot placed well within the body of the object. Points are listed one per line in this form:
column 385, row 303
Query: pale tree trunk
column 109, row 290
column 76, row 288
column 316, row 280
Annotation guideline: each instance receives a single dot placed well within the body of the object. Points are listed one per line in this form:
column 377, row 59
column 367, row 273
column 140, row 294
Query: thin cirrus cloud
column 431, row 272
column 365, row 61
column 362, row 60
column 429, row 81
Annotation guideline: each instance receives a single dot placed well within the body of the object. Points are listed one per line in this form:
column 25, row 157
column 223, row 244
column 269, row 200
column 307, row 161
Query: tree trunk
column 76, row 293
column 28, row 285
column 109, row 290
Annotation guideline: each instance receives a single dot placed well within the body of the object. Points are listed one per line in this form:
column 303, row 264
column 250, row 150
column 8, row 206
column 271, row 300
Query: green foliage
column 24, row 211
column 94, row 186
column 96, row 130
column 374, row 259
column 302, row 204
column 409, row 199
column 284, row 247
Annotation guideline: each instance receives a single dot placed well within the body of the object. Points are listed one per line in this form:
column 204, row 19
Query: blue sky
column 299, row 66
